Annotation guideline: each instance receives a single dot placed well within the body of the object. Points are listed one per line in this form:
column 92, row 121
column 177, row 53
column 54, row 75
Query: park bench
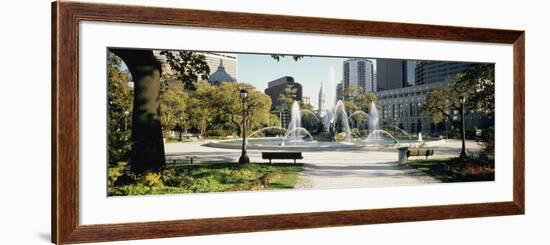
column 189, row 159
column 420, row 152
column 282, row 155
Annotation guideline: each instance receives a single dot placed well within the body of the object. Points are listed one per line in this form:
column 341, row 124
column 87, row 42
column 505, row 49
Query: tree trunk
column 147, row 143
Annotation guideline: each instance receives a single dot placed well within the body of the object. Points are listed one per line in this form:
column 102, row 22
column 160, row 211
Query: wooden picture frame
column 65, row 121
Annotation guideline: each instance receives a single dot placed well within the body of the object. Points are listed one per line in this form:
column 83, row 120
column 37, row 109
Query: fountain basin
column 274, row 144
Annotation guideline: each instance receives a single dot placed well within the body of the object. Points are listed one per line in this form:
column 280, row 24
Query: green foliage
column 214, row 110
column 481, row 78
column 186, row 66
column 119, row 123
column 438, row 105
column 289, row 96
column 278, row 57
column 488, row 141
column 274, row 120
column 152, row 180
column 229, row 107
column 174, row 107
column 476, row 84
column 115, row 172
column 200, row 104
column 355, row 99
column 198, row 178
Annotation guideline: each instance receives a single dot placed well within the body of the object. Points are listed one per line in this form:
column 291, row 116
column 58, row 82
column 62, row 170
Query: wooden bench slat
column 282, row 155
column 420, row 152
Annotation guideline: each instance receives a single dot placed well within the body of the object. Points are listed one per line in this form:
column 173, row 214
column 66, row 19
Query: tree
column 356, row 100
column 438, row 105
column 187, row 67
column 476, row 84
column 471, row 90
column 369, row 98
column 229, row 105
column 289, row 96
column 274, row 121
column 482, row 78
column 200, row 104
column 147, row 143
column 174, row 107
column 278, row 57
column 119, row 96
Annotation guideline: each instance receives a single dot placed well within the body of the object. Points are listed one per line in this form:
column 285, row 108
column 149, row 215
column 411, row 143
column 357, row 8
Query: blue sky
column 310, row 71
column 259, row 69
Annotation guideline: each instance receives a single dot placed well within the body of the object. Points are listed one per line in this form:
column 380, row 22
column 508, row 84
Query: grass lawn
column 204, row 177
column 456, row 170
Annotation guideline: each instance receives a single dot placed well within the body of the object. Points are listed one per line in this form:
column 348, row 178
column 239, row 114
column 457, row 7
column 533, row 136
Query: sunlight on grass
column 203, row 178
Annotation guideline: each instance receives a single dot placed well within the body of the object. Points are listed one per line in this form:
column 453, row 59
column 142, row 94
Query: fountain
column 362, row 113
column 357, row 122
column 330, row 98
column 295, row 122
column 296, row 131
column 281, row 129
column 340, row 116
column 373, row 121
column 400, row 130
column 336, row 122
column 309, row 112
column 374, row 137
column 420, row 137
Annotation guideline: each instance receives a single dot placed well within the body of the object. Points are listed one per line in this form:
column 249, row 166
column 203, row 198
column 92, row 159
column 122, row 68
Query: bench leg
column 270, row 161
column 294, row 160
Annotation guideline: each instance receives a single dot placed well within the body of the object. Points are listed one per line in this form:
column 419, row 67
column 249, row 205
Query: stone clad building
column 402, row 106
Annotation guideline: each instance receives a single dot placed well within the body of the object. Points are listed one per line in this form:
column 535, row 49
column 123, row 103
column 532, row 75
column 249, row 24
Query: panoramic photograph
column 188, row 121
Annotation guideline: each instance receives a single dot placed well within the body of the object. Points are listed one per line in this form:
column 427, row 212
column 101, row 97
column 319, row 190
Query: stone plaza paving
column 332, row 169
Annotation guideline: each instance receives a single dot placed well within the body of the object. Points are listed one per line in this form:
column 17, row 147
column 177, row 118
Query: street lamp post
column 244, row 158
column 180, row 130
column 462, row 102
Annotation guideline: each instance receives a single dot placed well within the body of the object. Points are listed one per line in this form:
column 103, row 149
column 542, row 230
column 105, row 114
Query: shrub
column 115, row 172
column 197, row 178
column 488, row 141
column 152, row 180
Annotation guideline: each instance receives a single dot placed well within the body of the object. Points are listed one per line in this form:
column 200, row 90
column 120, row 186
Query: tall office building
column 360, row 73
column 438, row 71
column 394, row 73
column 277, row 87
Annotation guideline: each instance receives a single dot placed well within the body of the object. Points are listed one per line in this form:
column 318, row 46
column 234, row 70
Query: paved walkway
column 332, row 169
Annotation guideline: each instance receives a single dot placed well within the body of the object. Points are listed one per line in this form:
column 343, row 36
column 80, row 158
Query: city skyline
column 308, row 71
column 313, row 71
